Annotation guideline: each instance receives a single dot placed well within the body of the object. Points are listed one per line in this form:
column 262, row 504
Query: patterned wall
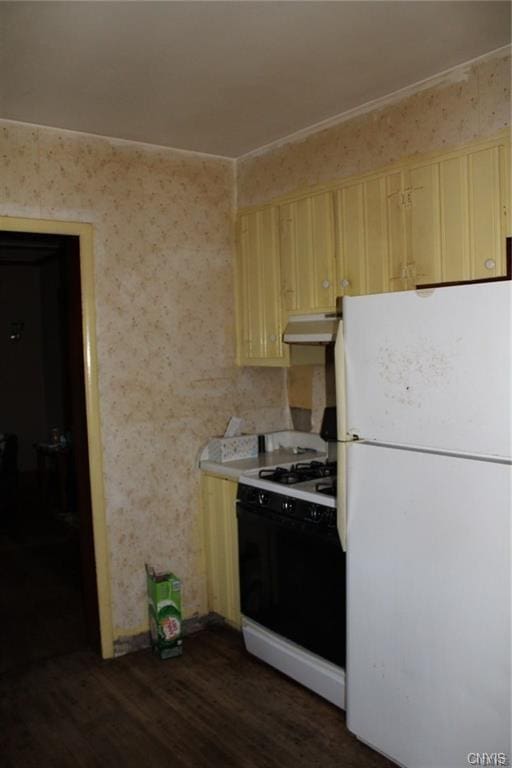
column 165, row 323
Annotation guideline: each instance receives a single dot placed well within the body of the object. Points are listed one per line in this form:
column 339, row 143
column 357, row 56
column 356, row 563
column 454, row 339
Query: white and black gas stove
column 292, row 573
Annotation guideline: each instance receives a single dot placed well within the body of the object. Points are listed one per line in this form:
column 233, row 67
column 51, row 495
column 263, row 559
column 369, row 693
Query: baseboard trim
column 131, row 643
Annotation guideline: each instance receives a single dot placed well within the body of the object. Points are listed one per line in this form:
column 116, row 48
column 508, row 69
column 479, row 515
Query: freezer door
column 431, row 368
column 428, row 641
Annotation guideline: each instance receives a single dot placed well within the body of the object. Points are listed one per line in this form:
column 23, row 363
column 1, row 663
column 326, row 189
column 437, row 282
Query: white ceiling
column 225, row 77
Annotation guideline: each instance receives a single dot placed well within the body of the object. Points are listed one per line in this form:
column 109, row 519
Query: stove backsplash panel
column 310, row 389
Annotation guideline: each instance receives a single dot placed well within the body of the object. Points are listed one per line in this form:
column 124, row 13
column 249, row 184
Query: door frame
column 85, row 234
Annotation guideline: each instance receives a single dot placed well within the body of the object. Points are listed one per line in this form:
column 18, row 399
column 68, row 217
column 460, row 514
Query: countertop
column 312, row 447
column 233, row 469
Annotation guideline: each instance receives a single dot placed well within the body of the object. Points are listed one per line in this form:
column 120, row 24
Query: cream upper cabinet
column 414, row 226
column 398, row 256
column 388, row 231
column 362, row 238
column 259, row 311
column 308, row 254
column 444, row 218
column 448, row 219
column 486, row 223
column 474, row 192
column 423, row 215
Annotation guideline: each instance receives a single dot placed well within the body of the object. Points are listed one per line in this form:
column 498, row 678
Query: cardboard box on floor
column 164, row 603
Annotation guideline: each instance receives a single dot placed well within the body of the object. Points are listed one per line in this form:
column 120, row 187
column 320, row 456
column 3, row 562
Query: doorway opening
column 49, row 602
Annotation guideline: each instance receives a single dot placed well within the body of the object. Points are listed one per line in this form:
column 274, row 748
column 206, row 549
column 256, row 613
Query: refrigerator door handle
column 341, row 495
column 343, row 438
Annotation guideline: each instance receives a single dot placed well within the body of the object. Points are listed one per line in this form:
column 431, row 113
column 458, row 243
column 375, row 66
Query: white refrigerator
column 424, row 508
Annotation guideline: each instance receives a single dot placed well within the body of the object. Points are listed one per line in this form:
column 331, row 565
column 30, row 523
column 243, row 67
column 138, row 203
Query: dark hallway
column 41, row 600
column 46, row 568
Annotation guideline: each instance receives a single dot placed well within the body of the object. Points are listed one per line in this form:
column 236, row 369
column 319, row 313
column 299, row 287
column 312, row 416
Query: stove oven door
column 292, row 581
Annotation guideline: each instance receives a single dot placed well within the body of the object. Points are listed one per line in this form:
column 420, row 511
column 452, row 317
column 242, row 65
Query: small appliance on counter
column 243, row 452
column 223, row 449
column 233, row 444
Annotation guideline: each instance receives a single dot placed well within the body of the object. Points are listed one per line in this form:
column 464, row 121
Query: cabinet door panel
column 376, row 227
column 289, row 257
column 423, row 213
column 307, row 253
column 252, row 299
column 351, row 233
column 485, row 215
column 259, row 287
column 397, row 238
column 296, row 254
column 453, row 183
column 362, row 238
column 221, row 547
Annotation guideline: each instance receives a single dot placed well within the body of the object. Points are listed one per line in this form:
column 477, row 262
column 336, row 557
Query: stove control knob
column 315, row 513
column 331, row 518
column 252, row 496
column 288, row 506
column 263, row 498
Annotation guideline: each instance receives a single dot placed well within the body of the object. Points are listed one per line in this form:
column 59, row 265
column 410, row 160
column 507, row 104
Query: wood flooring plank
column 214, row 707
column 204, row 702
column 181, row 715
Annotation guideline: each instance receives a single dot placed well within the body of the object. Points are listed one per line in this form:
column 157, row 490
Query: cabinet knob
column 344, row 283
column 489, row 264
column 273, row 337
column 326, row 284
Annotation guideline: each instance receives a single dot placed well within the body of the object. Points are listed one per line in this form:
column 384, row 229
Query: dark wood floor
column 41, row 605
column 214, row 706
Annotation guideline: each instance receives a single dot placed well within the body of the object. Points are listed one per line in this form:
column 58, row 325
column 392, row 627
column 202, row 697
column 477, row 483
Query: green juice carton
column 164, row 602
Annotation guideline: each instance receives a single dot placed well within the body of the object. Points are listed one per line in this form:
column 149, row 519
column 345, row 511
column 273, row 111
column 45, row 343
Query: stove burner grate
column 300, row 472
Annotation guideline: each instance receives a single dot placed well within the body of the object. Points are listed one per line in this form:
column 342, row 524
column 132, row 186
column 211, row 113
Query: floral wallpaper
column 472, row 103
column 163, row 224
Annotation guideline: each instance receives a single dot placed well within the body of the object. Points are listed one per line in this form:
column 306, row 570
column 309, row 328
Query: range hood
column 311, row 329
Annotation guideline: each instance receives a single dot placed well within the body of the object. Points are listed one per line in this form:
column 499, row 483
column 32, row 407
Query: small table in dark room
column 53, row 469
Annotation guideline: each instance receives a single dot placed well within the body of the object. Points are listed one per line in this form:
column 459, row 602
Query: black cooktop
column 302, row 472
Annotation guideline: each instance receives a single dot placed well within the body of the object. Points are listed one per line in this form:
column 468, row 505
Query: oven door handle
column 267, row 516
column 299, row 527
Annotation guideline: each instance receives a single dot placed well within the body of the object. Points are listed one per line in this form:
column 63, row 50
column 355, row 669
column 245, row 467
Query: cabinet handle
column 344, row 283
column 489, row 264
column 326, row 284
